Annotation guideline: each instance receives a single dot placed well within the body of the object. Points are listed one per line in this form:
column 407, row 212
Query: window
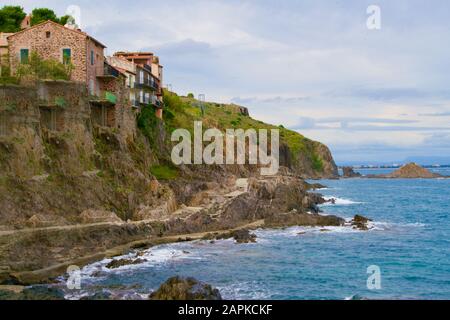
column 67, row 56
column 24, row 53
column 141, row 76
column 141, row 96
column 48, row 34
column 92, row 58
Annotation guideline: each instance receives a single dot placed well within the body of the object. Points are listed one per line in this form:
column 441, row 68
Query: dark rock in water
column 123, row 262
column 348, row 172
column 241, row 236
column 33, row 293
column 103, row 295
column 316, row 186
column 244, row 236
column 357, row 297
column 360, row 222
column 178, row 288
column 302, row 219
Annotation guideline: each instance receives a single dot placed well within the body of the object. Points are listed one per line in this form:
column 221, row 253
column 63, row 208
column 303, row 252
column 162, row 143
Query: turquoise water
column 410, row 243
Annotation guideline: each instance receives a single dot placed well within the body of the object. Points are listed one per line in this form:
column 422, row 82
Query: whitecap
column 338, row 201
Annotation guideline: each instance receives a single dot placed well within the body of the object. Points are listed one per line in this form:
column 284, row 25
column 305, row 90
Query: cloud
column 310, row 65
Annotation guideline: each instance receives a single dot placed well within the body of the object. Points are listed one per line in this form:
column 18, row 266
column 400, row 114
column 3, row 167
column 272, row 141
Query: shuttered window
column 24, row 54
column 67, row 56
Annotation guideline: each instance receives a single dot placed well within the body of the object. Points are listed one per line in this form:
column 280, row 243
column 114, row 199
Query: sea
column 405, row 254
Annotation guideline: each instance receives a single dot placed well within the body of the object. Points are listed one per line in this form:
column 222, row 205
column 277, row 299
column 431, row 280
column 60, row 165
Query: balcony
column 107, row 71
column 105, row 98
column 146, row 83
column 135, row 103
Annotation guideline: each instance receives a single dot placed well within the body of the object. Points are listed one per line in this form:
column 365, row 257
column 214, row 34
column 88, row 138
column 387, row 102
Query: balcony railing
column 135, row 103
column 107, row 71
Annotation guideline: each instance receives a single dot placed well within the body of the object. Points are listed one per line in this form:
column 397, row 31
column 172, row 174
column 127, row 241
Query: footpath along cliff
column 81, row 180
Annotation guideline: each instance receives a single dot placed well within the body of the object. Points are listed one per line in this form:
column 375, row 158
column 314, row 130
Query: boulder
column 360, row 222
column 241, row 236
column 32, row 293
column 348, row 172
column 97, row 216
column 178, row 288
column 123, row 262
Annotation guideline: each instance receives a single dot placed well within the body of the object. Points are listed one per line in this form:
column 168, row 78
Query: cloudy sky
column 311, row 65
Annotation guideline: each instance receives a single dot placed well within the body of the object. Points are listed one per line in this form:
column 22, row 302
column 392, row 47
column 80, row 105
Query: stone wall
column 50, row 126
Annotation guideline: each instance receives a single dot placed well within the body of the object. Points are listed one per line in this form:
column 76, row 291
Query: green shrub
column 317, row 163
column 164, row 172
column 44, row 69
column 190, row 95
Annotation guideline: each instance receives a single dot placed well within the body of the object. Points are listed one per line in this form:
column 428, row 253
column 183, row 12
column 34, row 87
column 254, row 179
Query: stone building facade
column 54, row 41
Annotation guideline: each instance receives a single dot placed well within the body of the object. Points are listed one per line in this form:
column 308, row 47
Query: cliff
column 80, row 176
column 304, row 157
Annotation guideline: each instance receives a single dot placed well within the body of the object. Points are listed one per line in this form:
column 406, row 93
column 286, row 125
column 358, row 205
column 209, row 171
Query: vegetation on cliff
column 303, row 155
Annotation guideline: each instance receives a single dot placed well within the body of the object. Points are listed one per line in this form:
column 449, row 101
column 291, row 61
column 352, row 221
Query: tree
column 10, row 18
column 43, row 14
column 39, row 15
column 190, row 95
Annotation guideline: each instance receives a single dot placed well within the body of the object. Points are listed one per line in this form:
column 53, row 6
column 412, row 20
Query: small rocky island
column 408, row 171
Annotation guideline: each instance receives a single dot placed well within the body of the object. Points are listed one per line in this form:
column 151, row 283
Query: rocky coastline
column 38, row 255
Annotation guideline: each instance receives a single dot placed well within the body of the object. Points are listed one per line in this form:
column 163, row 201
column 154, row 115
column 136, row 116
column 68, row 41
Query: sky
column 313, row 66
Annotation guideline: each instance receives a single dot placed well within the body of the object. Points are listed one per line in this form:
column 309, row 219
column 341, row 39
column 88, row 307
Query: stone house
column 54, row 41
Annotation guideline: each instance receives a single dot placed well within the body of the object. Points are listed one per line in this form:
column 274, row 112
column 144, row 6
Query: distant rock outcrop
column 409, row 171
column 348, row 172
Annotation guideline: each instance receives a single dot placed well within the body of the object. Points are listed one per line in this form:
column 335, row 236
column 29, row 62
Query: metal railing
column 107, row 71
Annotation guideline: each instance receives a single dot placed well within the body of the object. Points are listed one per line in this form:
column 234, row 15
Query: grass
column 164, row 172
column 184, row 111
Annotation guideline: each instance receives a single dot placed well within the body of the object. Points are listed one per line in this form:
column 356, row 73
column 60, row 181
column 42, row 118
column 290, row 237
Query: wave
column 339, row 201
column 151, row 257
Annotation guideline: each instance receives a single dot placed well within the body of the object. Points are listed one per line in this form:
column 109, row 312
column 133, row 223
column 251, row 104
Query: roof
column 122, row 70
column 61, row 26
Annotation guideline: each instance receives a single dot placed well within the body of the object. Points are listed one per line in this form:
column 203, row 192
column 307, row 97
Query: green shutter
column 67, row 56
column 24, row 53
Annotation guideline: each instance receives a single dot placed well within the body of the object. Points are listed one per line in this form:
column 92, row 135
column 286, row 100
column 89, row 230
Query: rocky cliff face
column 75, row 184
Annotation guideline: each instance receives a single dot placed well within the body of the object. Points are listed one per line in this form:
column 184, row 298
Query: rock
column 41, row 293
column 97, row 216
column 411, row 171
column 316, row 186
column 123, row 262
column 241, row 236
column 408, row 171
column 348, row 172
column 178, row 288
column 360, row 222
column 43, row 221
column 98, row 296
column 302, row 219
column 244, row 236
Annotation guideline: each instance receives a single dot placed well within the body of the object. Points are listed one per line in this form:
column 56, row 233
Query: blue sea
column 409, row 242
